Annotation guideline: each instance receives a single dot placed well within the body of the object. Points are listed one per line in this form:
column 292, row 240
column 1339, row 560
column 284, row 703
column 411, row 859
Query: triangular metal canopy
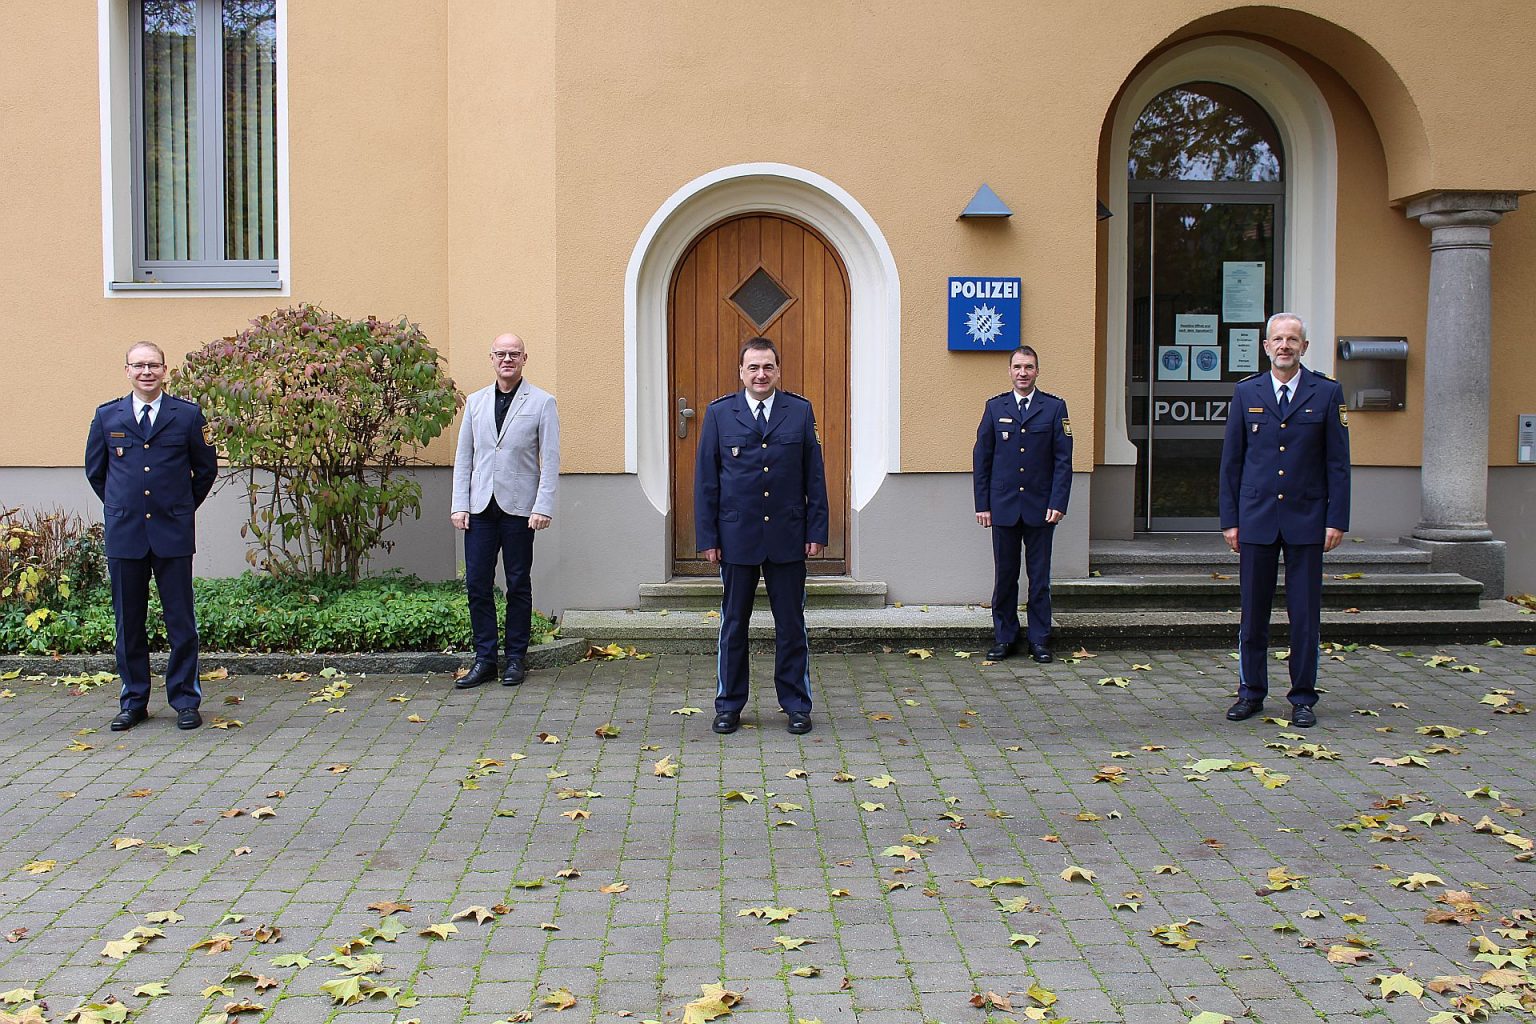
column 985, row 203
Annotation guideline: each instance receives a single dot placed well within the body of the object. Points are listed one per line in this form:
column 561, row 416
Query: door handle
column 684, row 414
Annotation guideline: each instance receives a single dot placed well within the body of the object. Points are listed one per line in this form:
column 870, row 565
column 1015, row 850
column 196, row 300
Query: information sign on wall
column 984, row 314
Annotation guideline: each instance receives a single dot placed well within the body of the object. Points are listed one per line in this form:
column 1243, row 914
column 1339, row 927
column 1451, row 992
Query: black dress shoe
column 799, row 722
column 726, row 722
column 514, row 673
column 1244, row 709
column 128, row 718
column 1041, row 653
column 998, row 652
column 1303, row 717
column 480, row 673
column 188, row 718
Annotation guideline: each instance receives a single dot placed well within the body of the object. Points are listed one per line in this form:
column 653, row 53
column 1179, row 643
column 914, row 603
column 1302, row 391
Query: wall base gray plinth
column 1481, row 560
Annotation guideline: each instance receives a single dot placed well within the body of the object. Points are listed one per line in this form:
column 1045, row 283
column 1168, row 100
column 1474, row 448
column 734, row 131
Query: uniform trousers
column 1303, row 603
column 130, row 604
column 785, row 582
column 1036, row 542
column 493, row 532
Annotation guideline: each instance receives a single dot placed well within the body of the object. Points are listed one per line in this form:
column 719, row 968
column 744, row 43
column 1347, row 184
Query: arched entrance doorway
column 758, row 274
column 1206, row 189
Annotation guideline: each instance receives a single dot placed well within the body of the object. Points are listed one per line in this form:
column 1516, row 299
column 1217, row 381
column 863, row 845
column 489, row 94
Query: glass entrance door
column 1204, row 272
column 1206, row 185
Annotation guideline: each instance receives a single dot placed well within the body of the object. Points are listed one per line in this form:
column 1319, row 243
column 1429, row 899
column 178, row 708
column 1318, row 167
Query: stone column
column 1453, row 520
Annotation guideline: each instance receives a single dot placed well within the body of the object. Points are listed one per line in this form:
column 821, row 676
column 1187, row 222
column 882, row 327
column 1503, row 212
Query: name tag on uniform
column 1256, row 408
column 117, row 433
column 1005, row 419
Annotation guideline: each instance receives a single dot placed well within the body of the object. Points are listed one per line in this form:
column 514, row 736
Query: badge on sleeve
column 1343, row 415
column 1066, row 427
column 207, row 435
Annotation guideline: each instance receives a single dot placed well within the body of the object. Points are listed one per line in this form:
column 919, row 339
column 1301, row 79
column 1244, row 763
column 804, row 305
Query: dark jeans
column 490, row 533
column 130, row 603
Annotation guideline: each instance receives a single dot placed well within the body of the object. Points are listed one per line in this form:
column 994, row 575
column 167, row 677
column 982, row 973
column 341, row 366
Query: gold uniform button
column 146, row 515
column 765, row 469
column 1282, row 426
column 1281, row 497
column 146, row 469
column 765, row 494
column 1282, row 447
column 1021, row 488
column 765, row 519
column 146, row 494
column 1282, row 472
column 765, row 444
column 146, row 447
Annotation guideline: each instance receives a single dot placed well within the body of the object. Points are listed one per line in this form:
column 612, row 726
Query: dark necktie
column 144, row 421
column 1285, row 400
column 1023, row 407
column 762, row 421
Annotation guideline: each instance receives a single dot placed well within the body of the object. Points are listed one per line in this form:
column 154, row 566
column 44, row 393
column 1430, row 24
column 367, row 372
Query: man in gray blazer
column 505, row 473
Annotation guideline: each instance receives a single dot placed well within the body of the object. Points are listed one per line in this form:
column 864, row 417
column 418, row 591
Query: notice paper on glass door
column 1242, row 292
column 1243, row 350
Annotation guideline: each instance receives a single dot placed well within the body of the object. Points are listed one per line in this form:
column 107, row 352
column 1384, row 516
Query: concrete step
column 1215, row 592
column 948, row 628
column 703, row 592
column 1179, row 553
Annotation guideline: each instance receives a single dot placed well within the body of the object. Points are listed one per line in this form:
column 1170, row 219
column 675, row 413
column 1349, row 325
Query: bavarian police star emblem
column 207, row 435
column 1343, row 415
column 1066, row 427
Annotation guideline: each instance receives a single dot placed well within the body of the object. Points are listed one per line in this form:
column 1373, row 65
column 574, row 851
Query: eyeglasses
column 143, row 367
column 507, row 357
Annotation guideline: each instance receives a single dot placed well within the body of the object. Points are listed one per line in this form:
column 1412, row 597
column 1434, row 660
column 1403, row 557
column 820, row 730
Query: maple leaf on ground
column 1398, row 984
column 479, row 913
column 666, row 768
column 614, row 888
column 217, row 943
column 387, row 907
column 1349, row 955
column 715, row 1001
column 560, row 999
column 438, row 931
column 1073, row 873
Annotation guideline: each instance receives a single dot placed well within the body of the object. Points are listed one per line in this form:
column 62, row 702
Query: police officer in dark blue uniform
column 1021, row 469
column 150, row 458
column 1284, row 488
column 760, row 508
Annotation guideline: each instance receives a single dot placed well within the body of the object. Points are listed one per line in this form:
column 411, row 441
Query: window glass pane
column 250, row 129
column 1201, row 131
column 172, row 182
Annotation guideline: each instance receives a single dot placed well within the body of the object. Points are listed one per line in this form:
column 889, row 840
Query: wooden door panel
column 705, row 332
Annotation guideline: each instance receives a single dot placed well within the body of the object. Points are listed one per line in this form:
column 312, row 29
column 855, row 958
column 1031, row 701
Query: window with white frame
column 205, row 119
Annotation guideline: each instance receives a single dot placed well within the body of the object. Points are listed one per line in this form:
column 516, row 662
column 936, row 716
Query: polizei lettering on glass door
column 984, row 313
column 1189, row 411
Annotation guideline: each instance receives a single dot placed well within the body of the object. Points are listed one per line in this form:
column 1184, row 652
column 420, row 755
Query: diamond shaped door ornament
column 760, row 298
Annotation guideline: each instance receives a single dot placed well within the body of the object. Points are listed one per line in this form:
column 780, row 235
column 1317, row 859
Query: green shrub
column 50, row 562
column 264, row 613
column 320, row 413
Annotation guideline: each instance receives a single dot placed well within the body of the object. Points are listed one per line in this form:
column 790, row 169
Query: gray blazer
column 521, row 466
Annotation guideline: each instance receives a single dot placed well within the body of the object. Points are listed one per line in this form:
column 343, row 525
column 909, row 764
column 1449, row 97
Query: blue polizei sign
column 984, row 314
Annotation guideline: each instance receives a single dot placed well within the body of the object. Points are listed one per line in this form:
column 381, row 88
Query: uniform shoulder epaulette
column 791, row 394
column 1319, row 373
column 725, row 398
column 1047, row 394
column 1001, row 394
column 110, row 401
column 1251, row 376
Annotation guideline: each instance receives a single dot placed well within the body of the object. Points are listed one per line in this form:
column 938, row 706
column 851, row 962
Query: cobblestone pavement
column 920, row 833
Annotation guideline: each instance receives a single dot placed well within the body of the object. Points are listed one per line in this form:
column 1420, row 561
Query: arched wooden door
column 758, row 274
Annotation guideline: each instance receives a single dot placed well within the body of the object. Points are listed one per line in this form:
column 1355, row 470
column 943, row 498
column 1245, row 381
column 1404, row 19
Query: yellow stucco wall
column 482, row 166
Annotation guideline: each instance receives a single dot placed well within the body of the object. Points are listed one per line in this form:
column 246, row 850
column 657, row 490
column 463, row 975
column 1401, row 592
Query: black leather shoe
column 514, row 674
column 127, row 719
column 480, row 672
column 998, row 652
column 726, row 722
column 1041, row 653
column 188, row 718
column 799, row 722
column 1303, row 717
column 1244, row 709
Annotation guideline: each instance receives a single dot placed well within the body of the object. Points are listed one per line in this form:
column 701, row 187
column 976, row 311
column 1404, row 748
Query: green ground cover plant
column 54, row 599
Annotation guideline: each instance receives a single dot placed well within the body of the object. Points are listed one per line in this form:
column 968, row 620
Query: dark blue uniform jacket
column 150, row 486
column 1285, row 478
column 760, row 497
column 1021, row 469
